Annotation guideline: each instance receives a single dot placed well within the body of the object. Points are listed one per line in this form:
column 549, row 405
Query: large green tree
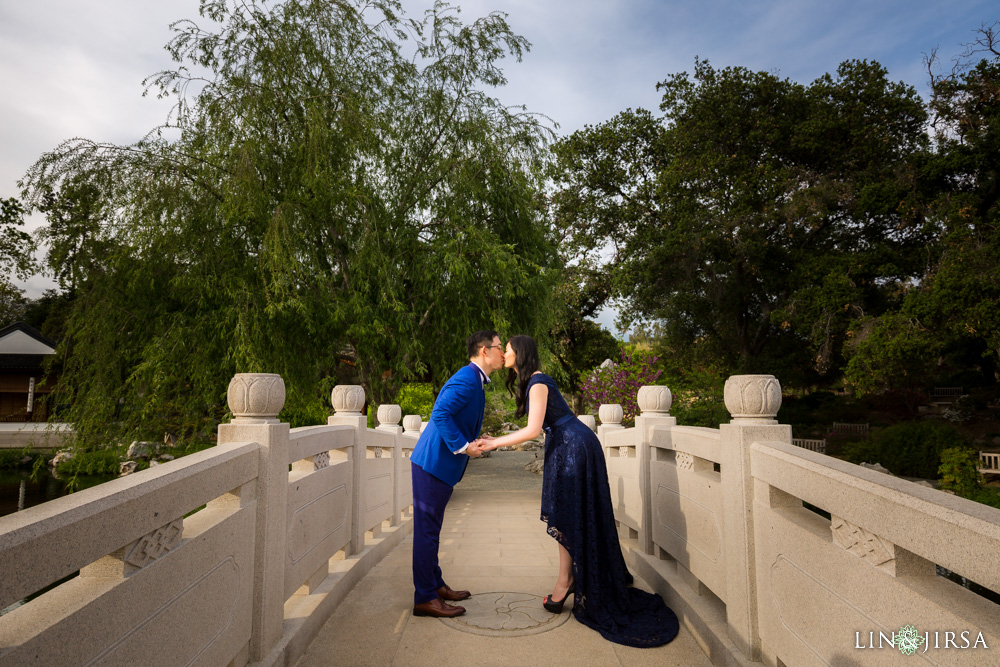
column 949, row 320
column 754, row 216
column 334, row 178
column 577, row 341
column 16, row 260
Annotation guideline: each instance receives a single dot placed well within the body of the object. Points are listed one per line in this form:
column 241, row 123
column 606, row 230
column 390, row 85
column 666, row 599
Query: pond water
column 20, row 490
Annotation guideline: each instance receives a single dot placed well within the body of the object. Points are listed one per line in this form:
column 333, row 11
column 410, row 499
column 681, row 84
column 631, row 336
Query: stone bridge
column 769, row 553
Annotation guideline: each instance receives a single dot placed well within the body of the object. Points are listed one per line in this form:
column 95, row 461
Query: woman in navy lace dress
column 576, row 505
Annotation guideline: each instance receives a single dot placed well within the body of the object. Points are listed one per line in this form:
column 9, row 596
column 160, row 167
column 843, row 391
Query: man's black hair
column 480, row 339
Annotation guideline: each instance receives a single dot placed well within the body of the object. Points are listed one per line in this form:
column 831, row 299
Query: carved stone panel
column 152, row 546
column 866, row 546
column 321, row 460
column 684, row 460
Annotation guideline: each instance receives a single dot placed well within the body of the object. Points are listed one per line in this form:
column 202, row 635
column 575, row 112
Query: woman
column 576, row 505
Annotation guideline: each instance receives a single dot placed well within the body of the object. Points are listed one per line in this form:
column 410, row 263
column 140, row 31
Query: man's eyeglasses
column 487, row 347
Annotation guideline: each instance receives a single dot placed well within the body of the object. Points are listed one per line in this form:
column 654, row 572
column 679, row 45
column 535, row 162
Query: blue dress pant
column 430, row 497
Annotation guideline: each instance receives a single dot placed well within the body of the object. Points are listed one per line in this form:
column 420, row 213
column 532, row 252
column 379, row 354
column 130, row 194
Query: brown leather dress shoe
column 445, row 593
column 438, row 608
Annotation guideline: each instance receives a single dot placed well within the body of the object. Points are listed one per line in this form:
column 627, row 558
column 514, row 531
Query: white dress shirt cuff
column 462, row 450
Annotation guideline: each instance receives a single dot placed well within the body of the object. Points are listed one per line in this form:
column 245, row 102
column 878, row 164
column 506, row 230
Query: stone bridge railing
column 234, row 555
column 774, row 553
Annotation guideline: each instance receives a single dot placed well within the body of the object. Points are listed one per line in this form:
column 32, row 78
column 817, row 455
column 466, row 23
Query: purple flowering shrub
column 620, row 383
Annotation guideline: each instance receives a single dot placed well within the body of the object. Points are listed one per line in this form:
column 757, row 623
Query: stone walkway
column 494, row 545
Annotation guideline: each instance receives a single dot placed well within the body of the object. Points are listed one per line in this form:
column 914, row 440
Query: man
column 438, row 463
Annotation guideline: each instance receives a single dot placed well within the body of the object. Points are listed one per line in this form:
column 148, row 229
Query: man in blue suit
column 438, row 463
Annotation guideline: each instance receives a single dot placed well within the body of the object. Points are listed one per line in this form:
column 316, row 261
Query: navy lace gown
column 576, row 505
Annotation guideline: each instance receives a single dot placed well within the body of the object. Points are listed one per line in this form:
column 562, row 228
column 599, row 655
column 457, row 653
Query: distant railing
column 773, row 553
column 990, row 463
column 34, row 435
column 947, row 392
column 812, row 445
column 223, row 557
column 854, row 429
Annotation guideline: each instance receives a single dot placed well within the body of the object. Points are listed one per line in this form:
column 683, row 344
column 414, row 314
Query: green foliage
column 893, row 351
column 416, row 398
column 955, row 304
column 755, row 217
column 17, row 249
column 101, row 462
column 815, row 412
column 321, row 194
column 301, row 409
column 697, row 395
column 12, row 459
column 578, row 343
column 500, row 409
column 305, row 413
column 909, row 449
column 959, row 471
column 986, row 495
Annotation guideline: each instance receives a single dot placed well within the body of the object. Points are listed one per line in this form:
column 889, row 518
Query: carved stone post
column 411, row 425
column 654, row 402
column 611, row 415
column 255, row 400
column 347, row 401
column 388, row 421
column 589, row 421
column 753, row 401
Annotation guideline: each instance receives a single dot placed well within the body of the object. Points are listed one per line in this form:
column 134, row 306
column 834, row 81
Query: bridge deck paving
column 492, row 543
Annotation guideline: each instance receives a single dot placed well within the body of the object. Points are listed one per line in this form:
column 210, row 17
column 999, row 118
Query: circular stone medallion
column 507, row 615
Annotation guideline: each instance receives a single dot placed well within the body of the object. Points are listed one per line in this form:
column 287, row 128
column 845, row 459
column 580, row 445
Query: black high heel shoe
column 557, row 607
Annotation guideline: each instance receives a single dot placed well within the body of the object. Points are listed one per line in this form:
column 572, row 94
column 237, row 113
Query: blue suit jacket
column 456, row 419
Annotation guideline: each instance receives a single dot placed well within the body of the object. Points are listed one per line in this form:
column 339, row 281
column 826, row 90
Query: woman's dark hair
column 525, row 363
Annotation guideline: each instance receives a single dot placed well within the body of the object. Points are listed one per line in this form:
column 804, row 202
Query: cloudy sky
column 74, row 68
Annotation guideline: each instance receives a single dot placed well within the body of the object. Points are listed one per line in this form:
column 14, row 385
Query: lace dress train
column 576, row 505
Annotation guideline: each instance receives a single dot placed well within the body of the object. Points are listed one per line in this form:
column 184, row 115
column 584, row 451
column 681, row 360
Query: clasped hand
column 479, row 447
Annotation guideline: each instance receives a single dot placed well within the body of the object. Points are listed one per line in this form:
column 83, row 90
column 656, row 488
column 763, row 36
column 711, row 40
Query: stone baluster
column 411, row 425
column 611, row 415
column 347, row 401
column 255, row 400
column 654, row 404
column 388, row 421
column 589, row 422
column 753, row 402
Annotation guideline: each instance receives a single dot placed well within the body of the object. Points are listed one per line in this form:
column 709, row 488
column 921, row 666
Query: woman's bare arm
column 538, row 397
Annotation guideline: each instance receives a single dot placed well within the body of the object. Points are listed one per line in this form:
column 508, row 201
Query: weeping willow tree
column 333, row 176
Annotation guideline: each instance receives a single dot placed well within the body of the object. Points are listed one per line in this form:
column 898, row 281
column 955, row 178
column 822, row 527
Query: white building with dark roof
column 23, row 351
